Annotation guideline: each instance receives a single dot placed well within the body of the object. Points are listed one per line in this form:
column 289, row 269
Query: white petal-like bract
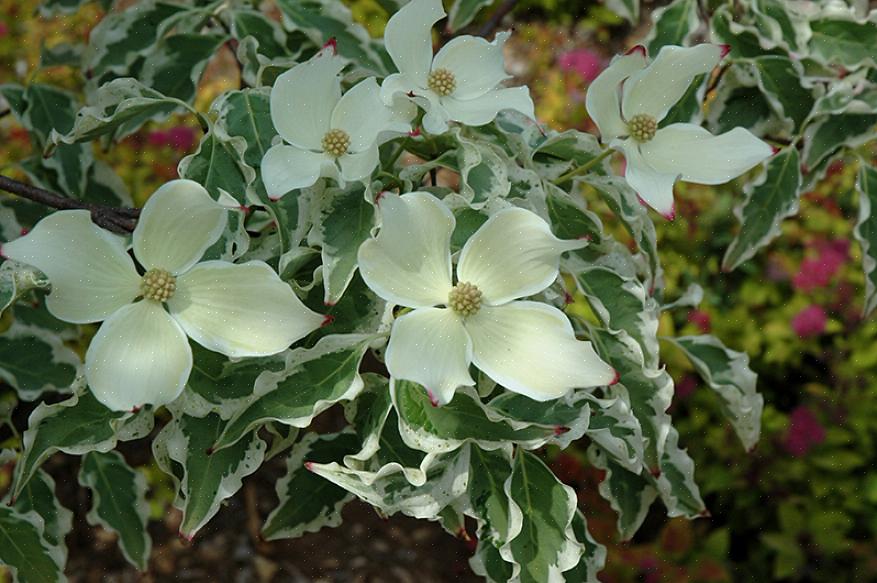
column 530, row 348
column 408, row 38
column 177, row 225
column 698, row 156
column 139, row 356
column 513, row 255
column 653, row 187
column 285, row 168
column 483, row 109
column 477, row 65
column 603, row 100
column 303, row 98
column 409, row 262
column 91, row 274
column 430, row 346
column 240, row 310
column 657, row 88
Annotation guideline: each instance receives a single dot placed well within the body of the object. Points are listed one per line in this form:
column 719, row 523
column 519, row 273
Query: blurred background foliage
column 803, row 505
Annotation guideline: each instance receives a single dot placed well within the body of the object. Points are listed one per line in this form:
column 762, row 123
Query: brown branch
column 497, row 17
column 118, row 220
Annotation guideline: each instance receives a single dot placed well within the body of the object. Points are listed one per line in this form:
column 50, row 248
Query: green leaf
column 675, row 23
column 622, row 303
column 782, row 26
column 395, row 486
column 483, row 170
column 118, row 503
column 307, row 501
column 40, row 496
column 842, row 41
column 50, row 8
column 541, row 539
column 62, row 54
column 568, row 416
column 779, row 78
column 463, row 12
column 569, row 217
column 627, row 9
column 16, row 279
column 648, row 392
column 562, row 152
column 727, row 372
column 271, row 37
column 247, row 114
column 75, row 426
column 827, row 135
column 222, row 386
column 689, row 108
column 204, row 480
column 23, row 550
column 679, row 492
column 313, row 380
column 488, row 473
column 123, row 37
column 594, row 557
column 176, row 65
column 622, row 200
column 866, row 231
column 744, row 40
column 346, row 221
column 13, row 93
column 629, row 494
column 367, row 414
column 770, row 199
column 34, row 361
column 49, row 110
column 322, row 20
column 432, row 429
column 119, row 108
column 219, row 166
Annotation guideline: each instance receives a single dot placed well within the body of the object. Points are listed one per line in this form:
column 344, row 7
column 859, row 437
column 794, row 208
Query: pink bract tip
column 656, row 472
column 670, row 215
column 725, row 50
column 414, row 133
column 274, row 198
column 638, row 49
column 433, row 401
column 309, row 466
column 327, row 319
column 210, row 450
column 380, row 196
column 775, row 150
column 187, row 538
column 24, row 231
column 332, row 43
column 136, row 410
column 616, row 378
column 560, row 430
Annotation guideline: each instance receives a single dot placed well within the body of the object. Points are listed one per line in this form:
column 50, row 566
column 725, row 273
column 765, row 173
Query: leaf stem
column 584, row 167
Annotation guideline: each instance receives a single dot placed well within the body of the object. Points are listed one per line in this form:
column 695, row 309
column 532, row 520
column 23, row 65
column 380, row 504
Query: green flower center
column 336, row 142
column 642, row 127
column 465, row 299
column 442, row 82
column 158, row 285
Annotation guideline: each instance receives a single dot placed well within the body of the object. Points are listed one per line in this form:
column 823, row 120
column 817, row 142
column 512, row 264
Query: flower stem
column 584, row 167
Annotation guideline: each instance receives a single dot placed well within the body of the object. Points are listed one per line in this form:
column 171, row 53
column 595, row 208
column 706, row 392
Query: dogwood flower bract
column 462, row 82
column 329, row 134
column 630, row 98
column 140, row 355
column 528, row 347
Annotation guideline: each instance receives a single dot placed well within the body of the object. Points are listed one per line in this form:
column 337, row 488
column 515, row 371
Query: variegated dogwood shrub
column 385, row 234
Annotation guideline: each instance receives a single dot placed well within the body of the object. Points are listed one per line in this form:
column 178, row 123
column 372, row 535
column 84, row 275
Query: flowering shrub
column 358, row 196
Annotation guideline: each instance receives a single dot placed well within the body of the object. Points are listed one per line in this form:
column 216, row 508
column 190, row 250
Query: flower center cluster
column 465, row 299
column 642, row 127
column 336, row 142
column 158, row 285
column 442, row 82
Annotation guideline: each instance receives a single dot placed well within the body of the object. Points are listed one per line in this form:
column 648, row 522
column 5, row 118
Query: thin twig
column 496, row 18
column 118, row 220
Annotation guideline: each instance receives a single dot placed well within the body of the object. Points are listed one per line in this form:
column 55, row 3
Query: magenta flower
column 586, row 63
column 804, row 432
column 180, row 138
column 810, row 321
column 700, row 319
column 818, row 272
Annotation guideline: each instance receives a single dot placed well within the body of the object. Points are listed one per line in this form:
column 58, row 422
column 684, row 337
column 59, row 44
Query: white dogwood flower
column 462, row 82
column 140, row 355
column 327, row 134
column 527, row 347
column 628, row 100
